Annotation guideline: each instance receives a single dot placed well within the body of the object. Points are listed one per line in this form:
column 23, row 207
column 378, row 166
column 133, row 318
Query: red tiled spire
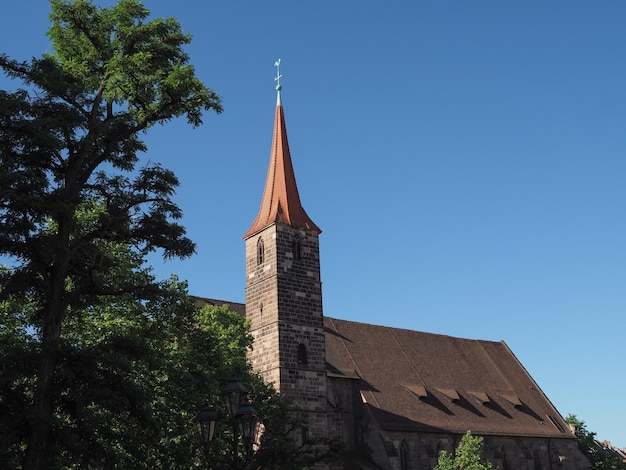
column 281, row 201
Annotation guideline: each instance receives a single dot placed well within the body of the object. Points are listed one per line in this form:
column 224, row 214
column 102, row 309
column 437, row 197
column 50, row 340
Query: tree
column 69, row 139
column 130, row 374
column 599, row 458
column 130, row 378
column 468, row 455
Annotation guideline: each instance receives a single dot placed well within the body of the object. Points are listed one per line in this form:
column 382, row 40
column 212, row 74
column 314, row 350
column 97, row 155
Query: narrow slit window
column 304, row 434
column 296, row 249
column 302, row 355
column 260, row 252
column 404, row 455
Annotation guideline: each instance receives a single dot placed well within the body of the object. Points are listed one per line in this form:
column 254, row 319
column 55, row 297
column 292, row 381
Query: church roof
column 424, row 382
column 281, row 201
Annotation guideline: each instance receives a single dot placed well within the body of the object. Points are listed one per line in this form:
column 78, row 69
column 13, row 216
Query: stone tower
column 284, row 290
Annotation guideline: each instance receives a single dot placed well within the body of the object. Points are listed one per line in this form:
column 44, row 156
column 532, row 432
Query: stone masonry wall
column 284, row 306
column 504, row 452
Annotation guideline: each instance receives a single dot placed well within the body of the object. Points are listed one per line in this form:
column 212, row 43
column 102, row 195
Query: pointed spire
column 281, row 201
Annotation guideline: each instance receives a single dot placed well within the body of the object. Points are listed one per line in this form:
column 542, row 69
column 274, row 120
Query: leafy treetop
column 599, row 458
column 468, row 455
column 69, row 186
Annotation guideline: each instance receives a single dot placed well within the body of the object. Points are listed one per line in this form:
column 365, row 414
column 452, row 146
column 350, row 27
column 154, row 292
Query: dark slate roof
column 424, row 382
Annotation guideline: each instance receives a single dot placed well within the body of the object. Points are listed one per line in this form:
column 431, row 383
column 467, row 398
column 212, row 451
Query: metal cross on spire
column 278, row 75
column 277, row 80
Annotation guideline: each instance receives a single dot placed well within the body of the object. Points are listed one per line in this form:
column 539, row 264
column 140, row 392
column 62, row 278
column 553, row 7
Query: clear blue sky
column 465, row 160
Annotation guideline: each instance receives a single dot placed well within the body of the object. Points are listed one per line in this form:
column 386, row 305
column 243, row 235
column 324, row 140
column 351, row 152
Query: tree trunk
column 37, row 451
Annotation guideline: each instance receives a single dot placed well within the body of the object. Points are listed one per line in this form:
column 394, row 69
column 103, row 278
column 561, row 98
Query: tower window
column 296, row 248
column 404, row 455
column 260, row 251
column 304, row 434
column 302, row 355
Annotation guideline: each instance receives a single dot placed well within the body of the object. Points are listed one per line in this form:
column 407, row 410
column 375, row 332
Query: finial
column 277, row 80
column 278, row 75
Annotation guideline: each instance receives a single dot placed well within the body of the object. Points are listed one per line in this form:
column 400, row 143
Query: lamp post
column 243, row 419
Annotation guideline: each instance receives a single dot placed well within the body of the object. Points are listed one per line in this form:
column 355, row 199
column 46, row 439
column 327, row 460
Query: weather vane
column 278, row 75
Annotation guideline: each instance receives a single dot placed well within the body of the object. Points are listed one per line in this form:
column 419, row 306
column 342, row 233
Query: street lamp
column 233, row 394
column 242, row 417
column 247, row 423
column 207, row 419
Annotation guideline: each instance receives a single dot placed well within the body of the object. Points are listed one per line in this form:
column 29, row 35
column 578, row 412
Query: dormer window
column 260, row 252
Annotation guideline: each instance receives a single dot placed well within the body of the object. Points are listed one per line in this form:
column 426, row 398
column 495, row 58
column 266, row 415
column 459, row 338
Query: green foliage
column 71, row 195
column 600, row 460
column 468, row 455
column 283, row 421
column 18, row 364
column 126, row 61
column 130, row 377
column 103, row 366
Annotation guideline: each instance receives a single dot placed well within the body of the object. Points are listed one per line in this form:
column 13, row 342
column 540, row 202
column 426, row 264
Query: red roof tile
column 281, row 201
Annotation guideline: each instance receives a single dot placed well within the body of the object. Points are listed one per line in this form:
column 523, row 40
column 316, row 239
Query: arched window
column 260, row 251
column 505, row 464
column 440, row 447
column 404, row 455
column 304, row 435
column 302, row 355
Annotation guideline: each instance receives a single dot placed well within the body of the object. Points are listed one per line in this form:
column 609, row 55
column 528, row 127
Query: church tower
column 283, row 287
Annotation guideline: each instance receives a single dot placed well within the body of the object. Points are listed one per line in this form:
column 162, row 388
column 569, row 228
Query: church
column 395, row 397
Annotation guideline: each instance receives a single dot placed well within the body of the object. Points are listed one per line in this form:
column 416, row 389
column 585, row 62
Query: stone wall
column 284, row 306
